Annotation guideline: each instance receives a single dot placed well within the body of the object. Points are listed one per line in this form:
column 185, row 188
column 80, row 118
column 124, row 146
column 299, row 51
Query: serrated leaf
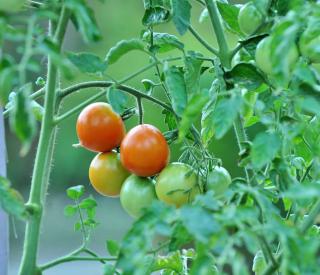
column 192, row 72
column 70, row 210
column 75, row 192
column 192, row 111
column 22, row 119
column 122, row 48
column 177, row 88
column 181, row 15
column 88, row 203
column 113, row 247
column 117, row 99
column 11, row 200
column 264, row 148
column 229, row 14
column 225, row 113
column 87, row 62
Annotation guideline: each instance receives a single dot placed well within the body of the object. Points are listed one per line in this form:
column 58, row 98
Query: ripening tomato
column 11, row 5
column 136, row 194
column 264, row 58
column 144, row 151
column 249, row 18
column 218, row 180
column 99, row 128
column 177, row 184
column 107, row 174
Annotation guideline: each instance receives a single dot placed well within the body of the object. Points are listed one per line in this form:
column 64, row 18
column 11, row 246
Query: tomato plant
column 256, row 89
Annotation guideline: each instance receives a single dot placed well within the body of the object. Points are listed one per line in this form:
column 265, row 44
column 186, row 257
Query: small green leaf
column 87, row 62
column 7, row 78
column 113, row 247
column 77, row 226
column 177, row 88
column 265, row 147
column 192, row 72
column 164, row 42
column 169, row 119
column 75, row 192
column 37, row 110
column 192, row 111
column 156, row 12
column 22, row 119
column 181, row 15
column 11, row 200
column 117, row 99
column 259, row 263
column 122, row 48
column 70, row 210
column 225, row 113
column 88, row 203
column 229, row 14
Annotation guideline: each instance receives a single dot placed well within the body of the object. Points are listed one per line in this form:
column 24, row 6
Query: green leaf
column 192, row 111
column 169, row 119
column 11, row 200
column 259, row 263
column 87, row 62
column 7, row 78
column 156, row 12
column 75, row 192
column 225, row 113
column 181, row 15
column 177, row 88
column 22, row 119
column 163, row 42
column 84, row 20
column 117, row 99
column 192, row 72
column 109, row 269
column 246, row 75
column 88, row 203
column 229, row 14
column 122, row 48
column 199, row 222
column 113, row 247
column 264, row 148
column 70, row 210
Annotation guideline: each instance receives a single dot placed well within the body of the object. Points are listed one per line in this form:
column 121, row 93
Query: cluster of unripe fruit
column 144, row 154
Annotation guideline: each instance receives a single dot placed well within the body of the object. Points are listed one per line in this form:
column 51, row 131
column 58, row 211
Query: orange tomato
column 144, row 151
column 99, row 128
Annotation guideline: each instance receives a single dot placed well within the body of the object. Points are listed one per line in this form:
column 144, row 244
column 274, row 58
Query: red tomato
column 144, row 151
column 99, row 128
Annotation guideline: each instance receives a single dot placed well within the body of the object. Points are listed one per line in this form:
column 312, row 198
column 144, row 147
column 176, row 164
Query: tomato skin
column 218, row 180
column 107, row 174
column 99, row 128
column 264, row 59
column 249, row 18
column 177, row 176
column 137, row 193
column 144, row 151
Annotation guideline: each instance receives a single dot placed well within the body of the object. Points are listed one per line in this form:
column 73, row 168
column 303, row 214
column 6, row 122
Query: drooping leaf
column 192, row 72
column 177, row 88
column 264, row 148
column 11, row 200
column 22, row 119
column 181, row 15
column 117, row 99
column 156, row 12
column 87, row 63
column 122, row 48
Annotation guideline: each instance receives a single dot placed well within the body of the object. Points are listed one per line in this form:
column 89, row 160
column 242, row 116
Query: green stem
column 224, row 53
column 140, row 108
column 73, row 259
column 202, row 41
column 42, row 162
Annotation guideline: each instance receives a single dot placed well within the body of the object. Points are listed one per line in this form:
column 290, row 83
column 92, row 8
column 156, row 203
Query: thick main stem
column 42, row 163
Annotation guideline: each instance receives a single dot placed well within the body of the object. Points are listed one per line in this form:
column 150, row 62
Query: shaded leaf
column 87, row 62
column 192, row 72
column 181, row 15
column 117, row 99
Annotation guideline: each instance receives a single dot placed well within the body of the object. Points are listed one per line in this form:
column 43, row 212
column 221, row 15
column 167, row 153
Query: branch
column 202, row 41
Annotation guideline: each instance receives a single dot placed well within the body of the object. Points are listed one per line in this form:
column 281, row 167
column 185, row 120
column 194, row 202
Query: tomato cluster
column 140, row 173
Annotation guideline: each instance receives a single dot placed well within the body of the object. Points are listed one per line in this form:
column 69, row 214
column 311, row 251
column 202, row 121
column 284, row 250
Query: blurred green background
column 118, row 19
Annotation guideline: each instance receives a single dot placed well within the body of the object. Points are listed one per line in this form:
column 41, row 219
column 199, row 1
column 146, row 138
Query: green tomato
column 249, row 18
column 264, row 58
column 11, row 5
column 218, row 180
column 177, row 184
column 309, row 43
column 136, row 194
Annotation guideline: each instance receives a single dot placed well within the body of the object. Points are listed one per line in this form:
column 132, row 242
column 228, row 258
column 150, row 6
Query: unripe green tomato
column 218, row 180
column 11, row 5
column 177, row 184
column 310, row 44
column 264, row 58
column 249, row 18
column 136, row 194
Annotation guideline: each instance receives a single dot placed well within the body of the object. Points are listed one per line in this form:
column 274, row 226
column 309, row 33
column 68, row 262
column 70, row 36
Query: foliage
column 266, row 220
